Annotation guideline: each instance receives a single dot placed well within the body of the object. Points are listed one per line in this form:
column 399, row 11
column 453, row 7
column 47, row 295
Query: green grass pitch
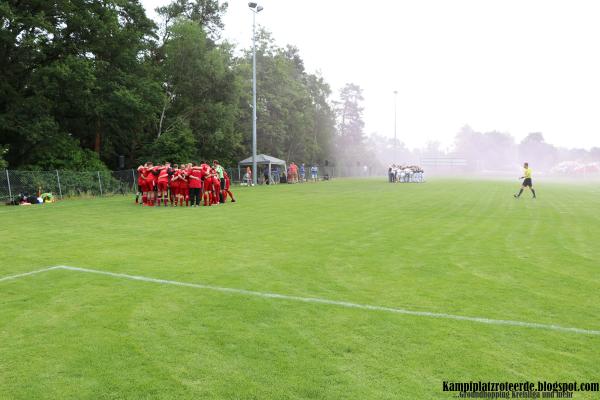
column 459, row 247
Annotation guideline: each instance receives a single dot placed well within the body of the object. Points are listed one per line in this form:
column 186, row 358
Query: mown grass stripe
column 318, row 300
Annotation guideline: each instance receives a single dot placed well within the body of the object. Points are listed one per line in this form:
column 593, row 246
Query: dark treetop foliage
column 86, row 81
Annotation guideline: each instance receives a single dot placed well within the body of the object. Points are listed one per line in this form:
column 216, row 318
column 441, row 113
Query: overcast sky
column 516, row 66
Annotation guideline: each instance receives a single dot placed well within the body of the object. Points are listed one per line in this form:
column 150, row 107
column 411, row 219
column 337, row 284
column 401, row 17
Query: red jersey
column 195, row 179
column 216, row 183
column 149, row 175
column 175, row 178
column 183, row 179
column 141, row 173
column 163, row 175
column 205, row 170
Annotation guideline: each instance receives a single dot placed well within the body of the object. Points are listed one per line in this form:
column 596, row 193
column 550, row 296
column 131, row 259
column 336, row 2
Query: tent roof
column 262, row 159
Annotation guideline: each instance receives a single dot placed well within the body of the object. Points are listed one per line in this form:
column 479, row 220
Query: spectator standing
column 314, row 172
column 249, row 175
column 295, row 172
column 302, row 173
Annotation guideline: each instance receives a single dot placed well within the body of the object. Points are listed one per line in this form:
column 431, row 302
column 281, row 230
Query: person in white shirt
column 314, row 171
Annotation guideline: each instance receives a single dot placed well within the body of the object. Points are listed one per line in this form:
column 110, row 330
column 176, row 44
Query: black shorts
column 527, row 182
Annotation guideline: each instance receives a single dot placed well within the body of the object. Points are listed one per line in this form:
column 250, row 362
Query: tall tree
column 206, row 13
column 86, row 81
column 534, row 149
column 491, row 150
column 350, row 115
column 204, row 90
column 319, row 142
column 350, row 144
column 74, row 76
column 295, row 119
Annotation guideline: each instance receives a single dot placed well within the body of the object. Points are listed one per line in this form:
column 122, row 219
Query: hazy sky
column 516, row 66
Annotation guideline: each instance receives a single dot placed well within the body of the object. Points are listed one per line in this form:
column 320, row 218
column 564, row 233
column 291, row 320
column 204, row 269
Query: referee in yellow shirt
column 526, row 181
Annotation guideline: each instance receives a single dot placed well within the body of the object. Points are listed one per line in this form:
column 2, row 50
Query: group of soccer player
column 406, row 173
column 188, row 184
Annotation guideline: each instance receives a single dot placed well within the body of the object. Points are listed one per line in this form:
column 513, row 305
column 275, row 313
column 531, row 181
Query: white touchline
column 8, row 278
column 346, row 304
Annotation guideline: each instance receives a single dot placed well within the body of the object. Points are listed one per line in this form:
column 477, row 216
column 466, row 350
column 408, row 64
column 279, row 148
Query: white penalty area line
column 489, row 321
column 11, row 277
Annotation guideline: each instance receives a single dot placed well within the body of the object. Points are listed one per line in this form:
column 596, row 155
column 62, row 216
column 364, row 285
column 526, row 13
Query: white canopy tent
column 261, row 159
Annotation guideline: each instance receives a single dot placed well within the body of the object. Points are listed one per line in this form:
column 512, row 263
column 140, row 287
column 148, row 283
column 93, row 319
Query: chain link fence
column 66, row 183
column 71, row 183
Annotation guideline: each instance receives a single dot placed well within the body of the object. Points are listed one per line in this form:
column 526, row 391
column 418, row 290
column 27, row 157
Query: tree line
column 95, row 84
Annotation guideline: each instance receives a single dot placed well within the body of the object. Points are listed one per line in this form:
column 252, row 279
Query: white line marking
column 346, row 304
column 8, row 278
column 340, row 303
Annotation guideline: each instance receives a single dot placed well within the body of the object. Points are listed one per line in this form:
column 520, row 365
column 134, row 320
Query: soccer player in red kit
column 226, row 189
column 216, row 186
column 184, row 187
column 154, row 171
column 182, row 184
column 174, row 184
column 205, row 170
column 207, row 191
column 195, row 179
column 140, row 184
column 163, row 183
column 148, row 186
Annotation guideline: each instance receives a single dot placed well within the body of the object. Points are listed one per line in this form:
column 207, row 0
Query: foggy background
column 490, row 83
column 491, row 154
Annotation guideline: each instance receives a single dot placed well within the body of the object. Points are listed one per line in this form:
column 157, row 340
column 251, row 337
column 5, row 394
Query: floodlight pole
column 255, row 8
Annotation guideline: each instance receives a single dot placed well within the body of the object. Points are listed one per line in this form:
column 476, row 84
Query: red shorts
column 148, row 185
column 163, row 186
column 184, row 191
column 174, row 189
